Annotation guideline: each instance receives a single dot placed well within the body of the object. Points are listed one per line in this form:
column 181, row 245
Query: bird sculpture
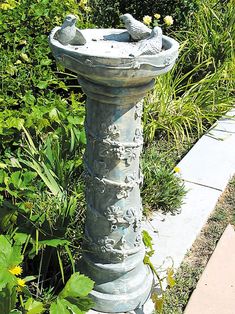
column 150, row 46
column 136, row 29
column 68, row 33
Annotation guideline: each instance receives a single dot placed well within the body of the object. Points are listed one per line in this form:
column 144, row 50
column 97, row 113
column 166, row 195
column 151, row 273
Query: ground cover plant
column 42, row 137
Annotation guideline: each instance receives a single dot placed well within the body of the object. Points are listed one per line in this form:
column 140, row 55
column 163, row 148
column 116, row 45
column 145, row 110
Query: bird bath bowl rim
column 95, row 37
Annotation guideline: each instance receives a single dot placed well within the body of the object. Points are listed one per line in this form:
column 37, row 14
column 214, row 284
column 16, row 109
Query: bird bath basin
column 110, row 49
column 115, row 83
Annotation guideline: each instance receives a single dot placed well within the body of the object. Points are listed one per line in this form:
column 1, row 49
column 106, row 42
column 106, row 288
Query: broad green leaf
column 84, row 304
column 83, row 137
column 9, row 255
column 7, row 299
column 77, row 286
column 73, row 307
column 34, row 307
column 6, row 250
column 16, row 257
column 20, row 237
column 6, row 278
column 58, row 307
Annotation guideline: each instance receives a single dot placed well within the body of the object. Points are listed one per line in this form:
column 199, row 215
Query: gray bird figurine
column 150, row 46
column 136, row 29
column 68, row 33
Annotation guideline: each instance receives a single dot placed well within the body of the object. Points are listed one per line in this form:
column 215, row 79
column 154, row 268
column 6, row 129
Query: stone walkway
column 206, row 170
column 215, row 291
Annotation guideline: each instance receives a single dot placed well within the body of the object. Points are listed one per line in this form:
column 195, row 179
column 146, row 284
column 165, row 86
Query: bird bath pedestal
column 115, row 84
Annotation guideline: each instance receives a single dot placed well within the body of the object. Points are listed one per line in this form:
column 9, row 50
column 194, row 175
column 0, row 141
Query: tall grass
column 199, row 90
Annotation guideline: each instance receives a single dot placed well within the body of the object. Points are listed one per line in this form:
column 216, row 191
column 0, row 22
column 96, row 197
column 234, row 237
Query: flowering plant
column 14, row 291
column 148, row 20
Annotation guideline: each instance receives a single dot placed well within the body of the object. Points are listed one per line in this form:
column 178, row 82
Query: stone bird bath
column 115, row 84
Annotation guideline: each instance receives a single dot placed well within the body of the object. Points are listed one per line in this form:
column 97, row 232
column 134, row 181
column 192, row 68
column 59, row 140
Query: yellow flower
column 147, row 19
column 157, row 16
column 21, row 282
column 177, row 170
column 83, row 3
column 16, row 270
column 168, row 20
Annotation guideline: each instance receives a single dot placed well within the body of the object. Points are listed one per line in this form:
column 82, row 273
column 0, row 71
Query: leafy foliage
column 34, row 93
column 106, row 12
column 162, row 189
column 74, row 296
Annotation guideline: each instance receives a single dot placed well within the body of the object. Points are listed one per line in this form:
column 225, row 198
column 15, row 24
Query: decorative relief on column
column 116, row 250
column 138, row 110
column 127, row 152
column 138, row 136
column 117, row 216
column 119, row 189
column 113, row 179
column 111, row 132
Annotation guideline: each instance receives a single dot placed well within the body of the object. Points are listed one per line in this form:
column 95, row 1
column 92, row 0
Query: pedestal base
column 119, row 287
column 147, row 308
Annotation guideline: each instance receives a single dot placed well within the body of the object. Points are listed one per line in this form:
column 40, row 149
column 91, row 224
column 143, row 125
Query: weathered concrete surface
column 215, row 291
column 206, row 170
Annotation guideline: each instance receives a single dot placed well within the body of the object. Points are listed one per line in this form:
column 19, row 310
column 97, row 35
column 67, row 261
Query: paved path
column 215, row 291
column 206, row 170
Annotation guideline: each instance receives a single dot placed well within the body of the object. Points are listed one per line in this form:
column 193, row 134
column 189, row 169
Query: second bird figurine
column 150, row 46
column 136, row 29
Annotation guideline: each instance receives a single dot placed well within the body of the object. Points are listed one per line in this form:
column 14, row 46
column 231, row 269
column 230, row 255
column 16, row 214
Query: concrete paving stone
column 215, row 291
column 173, row 235
column 211, row 162
column 224, row 127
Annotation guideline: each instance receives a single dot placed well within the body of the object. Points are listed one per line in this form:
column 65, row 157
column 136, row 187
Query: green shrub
column 163, row 189
column 33, row 90
column 107, row 12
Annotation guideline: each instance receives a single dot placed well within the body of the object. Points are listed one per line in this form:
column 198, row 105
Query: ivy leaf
column 58, row 307
column 9, row 255
column 170, row 279
column 34, row 307
column 72, row 307
column 77, row 286
column 84, row 304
